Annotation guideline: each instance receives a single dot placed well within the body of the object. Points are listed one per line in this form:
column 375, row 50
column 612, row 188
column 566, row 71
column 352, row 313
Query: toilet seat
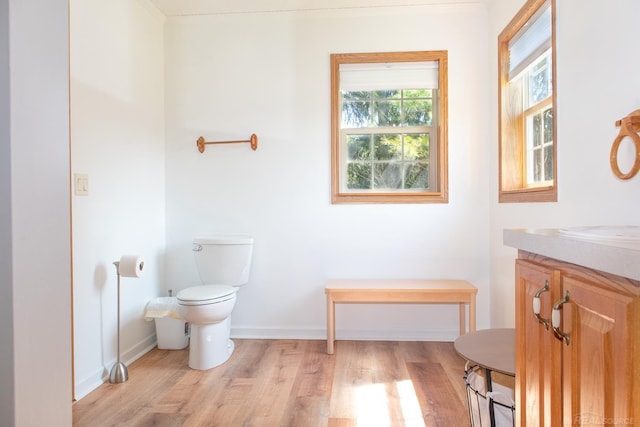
column 205, row 294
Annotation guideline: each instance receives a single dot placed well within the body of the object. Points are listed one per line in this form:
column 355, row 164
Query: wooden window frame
column 512, row 149
column 439, row 196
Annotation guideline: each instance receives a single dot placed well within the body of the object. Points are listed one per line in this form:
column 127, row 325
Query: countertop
column 616, row 256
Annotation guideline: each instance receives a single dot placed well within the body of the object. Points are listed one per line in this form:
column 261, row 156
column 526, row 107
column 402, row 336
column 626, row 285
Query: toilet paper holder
column 119, row 372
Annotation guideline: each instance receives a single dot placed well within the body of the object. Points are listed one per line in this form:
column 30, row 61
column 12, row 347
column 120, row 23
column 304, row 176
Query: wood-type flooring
column 288, row 383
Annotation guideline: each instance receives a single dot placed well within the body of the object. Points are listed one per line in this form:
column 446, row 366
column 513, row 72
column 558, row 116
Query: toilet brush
column 119, row 372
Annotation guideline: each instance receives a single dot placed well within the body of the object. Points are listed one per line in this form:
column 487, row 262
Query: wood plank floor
column 288, row 383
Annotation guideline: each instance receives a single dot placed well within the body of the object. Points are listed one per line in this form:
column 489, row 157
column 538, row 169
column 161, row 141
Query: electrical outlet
column 81, row 184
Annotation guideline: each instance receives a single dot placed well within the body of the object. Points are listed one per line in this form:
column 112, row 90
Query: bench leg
column 463, row 324
column 331, row 324
column 472, row 313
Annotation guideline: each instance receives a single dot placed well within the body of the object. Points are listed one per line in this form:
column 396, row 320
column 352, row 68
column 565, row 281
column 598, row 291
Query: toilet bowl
column 223, row 263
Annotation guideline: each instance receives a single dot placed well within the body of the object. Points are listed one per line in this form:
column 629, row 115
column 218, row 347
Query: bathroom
column 145, row 87
column 172, row 86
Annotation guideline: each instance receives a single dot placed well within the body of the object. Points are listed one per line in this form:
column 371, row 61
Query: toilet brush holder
column 119, row 372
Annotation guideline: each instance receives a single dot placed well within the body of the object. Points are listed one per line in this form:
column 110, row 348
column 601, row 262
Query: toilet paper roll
column 131, row 266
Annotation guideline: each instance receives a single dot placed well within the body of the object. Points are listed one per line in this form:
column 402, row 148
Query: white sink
column 621, row 233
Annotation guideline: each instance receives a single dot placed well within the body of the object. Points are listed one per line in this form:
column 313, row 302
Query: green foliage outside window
column 385, row 150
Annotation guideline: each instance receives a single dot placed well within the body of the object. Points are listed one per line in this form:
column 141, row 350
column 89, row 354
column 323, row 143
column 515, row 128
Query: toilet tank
column 223, row 260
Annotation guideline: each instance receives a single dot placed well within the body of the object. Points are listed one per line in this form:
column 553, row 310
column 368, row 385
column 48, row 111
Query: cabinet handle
column 555, row 319
column 536, row 305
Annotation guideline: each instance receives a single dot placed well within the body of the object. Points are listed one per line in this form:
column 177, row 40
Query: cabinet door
column 538, row 381
column 598, row 371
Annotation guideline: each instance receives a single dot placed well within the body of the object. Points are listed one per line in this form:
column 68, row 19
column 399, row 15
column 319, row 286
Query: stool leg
column 463, row 323
column 331, row 324
column 472, row 313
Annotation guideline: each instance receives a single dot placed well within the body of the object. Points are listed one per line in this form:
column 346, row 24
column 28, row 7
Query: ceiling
column 210, row 7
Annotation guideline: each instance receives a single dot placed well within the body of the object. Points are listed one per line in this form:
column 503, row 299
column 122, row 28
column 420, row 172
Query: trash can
column 482, row 402
column 172, row 331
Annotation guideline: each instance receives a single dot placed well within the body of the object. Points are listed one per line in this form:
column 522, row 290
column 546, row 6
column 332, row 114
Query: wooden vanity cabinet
column 537, row 350
column 593, row 376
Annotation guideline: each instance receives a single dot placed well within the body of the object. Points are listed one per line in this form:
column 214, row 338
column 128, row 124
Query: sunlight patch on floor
column 410, row 405
column 372, row 405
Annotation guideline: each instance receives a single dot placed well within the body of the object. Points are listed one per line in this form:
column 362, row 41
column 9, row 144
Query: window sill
column 529, row 195
column 389, row 198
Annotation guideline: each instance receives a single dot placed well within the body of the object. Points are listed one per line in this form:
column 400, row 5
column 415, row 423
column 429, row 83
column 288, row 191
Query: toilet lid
column 205, row 294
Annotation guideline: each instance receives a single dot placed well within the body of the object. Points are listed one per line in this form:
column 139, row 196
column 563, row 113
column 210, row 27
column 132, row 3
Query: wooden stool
column 392, row 291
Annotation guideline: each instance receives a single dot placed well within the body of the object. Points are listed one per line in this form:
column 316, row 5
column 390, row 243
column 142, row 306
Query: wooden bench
column 399, row 291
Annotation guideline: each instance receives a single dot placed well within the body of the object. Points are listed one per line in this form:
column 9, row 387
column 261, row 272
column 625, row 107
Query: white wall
column 117, row 112
column 35, row 277
column 231, row 75
column 7, row 366
column 597, row 84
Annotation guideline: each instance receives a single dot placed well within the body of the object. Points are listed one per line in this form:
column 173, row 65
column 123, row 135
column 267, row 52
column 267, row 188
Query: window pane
column 548, row 125
column 536, row 137
column 386, row 94
column 356, row 95
column 358, row 176
column 386, row 113
column 356, row 114
column 536, row 163
column 387, row 147
column 358, row 147
column 417, row 93
column 387, row 176
column 539, row 81
column 417, row 112
column 548, row 163
column 416, row 146
column 417, row 176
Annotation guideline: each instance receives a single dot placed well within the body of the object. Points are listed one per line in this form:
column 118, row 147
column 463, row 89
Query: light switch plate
column 81, row 184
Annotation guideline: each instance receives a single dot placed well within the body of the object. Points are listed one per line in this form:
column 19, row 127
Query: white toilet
column 223, row 263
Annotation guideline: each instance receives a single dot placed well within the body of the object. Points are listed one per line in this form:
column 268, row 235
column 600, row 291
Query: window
column 388, row 127
column 526, row 51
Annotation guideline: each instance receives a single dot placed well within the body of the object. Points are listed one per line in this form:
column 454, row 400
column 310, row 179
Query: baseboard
column 138, row 350
column 364, row 335
column 100, row 376
column 341, row 334
column 278, row 334
column 90, row 383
